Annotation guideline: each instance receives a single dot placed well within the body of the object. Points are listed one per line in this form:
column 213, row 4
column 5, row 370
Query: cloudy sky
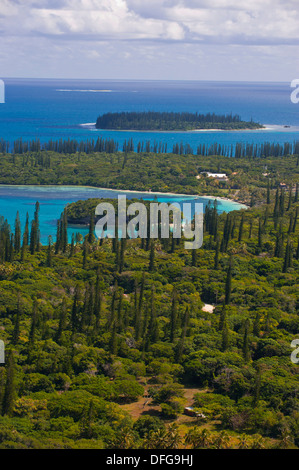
column 150, row 39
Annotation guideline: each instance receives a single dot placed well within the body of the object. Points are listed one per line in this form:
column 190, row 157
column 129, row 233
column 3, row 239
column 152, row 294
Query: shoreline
column 133, row 191
column 193, row 196
column 92, row 126
column 266, row 128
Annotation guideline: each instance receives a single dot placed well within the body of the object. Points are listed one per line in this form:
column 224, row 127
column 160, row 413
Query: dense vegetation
column 248, row 178
column 92, row 326
column 170, row 121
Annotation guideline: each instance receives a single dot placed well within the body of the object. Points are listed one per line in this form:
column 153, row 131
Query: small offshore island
column 170, row 121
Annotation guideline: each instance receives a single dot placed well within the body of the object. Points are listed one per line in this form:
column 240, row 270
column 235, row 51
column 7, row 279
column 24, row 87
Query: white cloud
column 109, row 22
column 159, row 33
column 99, row 19
column 238, row 22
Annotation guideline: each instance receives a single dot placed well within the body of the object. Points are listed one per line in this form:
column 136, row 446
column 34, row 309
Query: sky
column 253, row 40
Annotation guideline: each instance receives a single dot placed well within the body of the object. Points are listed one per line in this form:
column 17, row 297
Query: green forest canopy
column 170, row 121
column 91, row 326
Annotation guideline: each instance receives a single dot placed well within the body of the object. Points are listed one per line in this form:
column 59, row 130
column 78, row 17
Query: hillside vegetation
column 94, row 325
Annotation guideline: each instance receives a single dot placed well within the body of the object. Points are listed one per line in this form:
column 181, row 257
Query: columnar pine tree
column 153, row 323
column 63, row 233
column 123, row 244
column 10, row 387
column 245, row 347
column 58, row 237
column 112, row 317
column 120, row 311
column 33, row 237
column 194, row 258
column 91, row 236
column 260, row 231
column 216, row 258
column 152, row 257
column 75, row 313
column 72, row 248
column 290, row 197
column 278, row 252
column 16, row 330
column 295, row 219
column 276, row 205
column 33, row 325
column 291, row 223
column 250, row 229
column 228, row 282
column 266, row 217
column 62, row 320
column 139, row 308
column 268, row 193
column 241, row 228
column 23, row 250
column 173, row 315
column 26, row 231
column 36, row 225
column 49, row 260
column 222, row 318
column 288, row 257
column 17, row 238
column 98, row 302
column 84, row 309
column 113, row 340
column 181, row 343
column 85, row 253
column 281, row 203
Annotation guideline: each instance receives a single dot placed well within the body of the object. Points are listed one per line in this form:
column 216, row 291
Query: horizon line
column 146, row 79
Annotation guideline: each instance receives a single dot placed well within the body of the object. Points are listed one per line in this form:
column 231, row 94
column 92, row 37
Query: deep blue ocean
column 55, row 109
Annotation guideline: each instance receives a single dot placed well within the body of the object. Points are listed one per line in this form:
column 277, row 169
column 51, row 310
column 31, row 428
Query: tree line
column 152, row 120
column 101, row 145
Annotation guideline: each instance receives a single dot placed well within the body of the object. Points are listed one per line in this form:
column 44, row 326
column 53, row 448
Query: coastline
column 133, row 191
column 92, row 126
column 265, row 128
column 189, row 196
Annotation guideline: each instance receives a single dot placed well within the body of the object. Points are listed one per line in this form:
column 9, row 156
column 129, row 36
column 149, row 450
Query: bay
column 53, row 200
column 63, row 109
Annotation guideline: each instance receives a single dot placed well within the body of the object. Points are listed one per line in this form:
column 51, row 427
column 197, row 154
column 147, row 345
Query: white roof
column 217, row 175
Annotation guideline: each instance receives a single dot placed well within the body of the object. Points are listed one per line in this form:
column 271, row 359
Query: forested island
column 78, row 213
column 108, row 341
column 171, row 121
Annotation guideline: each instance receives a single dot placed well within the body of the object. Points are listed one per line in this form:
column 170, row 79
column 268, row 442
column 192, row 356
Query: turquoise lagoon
column 53, row 199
